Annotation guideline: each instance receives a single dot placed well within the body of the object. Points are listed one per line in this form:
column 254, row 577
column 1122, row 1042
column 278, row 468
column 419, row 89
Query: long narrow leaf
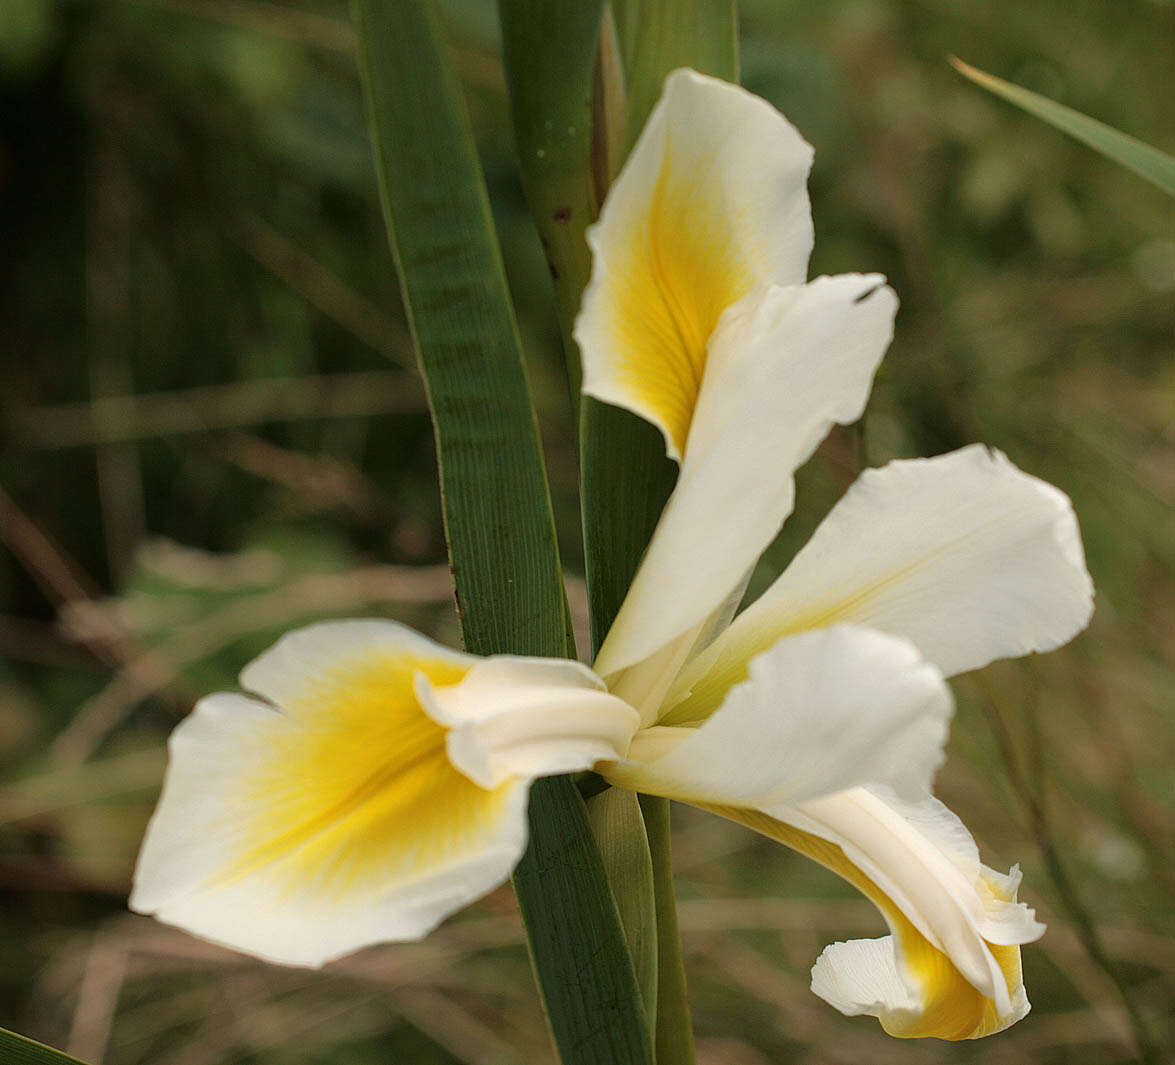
column 17, row 1050
column 497, row 512
column 549, row 52
column 616, row 820
column 1148, row 163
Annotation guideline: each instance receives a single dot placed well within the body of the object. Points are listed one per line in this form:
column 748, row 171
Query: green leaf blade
column 498, row 522
column 19, row 1050
column 549, row 55
column 619, row 828
column 1148, row 163
column 497, row 512
column 593, row 1005
column 567, row 104
column 658, row 36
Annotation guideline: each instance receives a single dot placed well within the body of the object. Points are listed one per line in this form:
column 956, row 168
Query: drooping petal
column 951, row 966
column 821, row 712
column 331, row 816
column 710, row 205
column 784, row 366
column 861, row 978
column 964, row 554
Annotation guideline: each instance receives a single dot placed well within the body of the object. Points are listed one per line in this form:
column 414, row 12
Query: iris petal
column 964, row 555
column 710, row 205
column 951, row 966
column 335, row 816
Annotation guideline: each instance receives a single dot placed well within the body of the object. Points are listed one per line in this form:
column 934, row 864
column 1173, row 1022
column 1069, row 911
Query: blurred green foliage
column 188, row 211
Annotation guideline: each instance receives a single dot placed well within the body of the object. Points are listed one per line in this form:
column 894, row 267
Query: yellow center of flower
column 359, row 786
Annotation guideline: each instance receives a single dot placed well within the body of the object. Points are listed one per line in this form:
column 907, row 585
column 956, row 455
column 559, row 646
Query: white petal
column 249, row 850
column 710, row 205
column 645, row 684
column 302, row 831
column 294, row 670
column 861, row 977
column 528, row 717
column 783, row 367
column 964, row 554
column 924, row 860
column 821, row 712
column 951, row 967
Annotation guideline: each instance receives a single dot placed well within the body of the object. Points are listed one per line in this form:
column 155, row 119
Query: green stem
column 626, row 477
column 619, row 827
column 589, row 989
column 674, row 1039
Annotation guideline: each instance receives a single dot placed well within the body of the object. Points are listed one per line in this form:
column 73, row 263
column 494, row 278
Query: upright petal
column 710, row 205
column 784, row 366
column 964, row 554
column 332, row 816
column 821, row 712
column 951, row 966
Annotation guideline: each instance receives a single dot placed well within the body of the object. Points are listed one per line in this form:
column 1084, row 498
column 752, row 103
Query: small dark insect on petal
column 869, row 292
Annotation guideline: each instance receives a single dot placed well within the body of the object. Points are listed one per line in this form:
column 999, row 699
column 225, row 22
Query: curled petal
column 821, row 712
column 951, row 966
column 528, row 717
column 710, row 205
column 864, row 977
column 965, row 555
column 783, row 367
column 332, row 816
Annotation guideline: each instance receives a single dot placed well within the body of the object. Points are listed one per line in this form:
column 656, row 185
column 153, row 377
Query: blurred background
column 212, row 431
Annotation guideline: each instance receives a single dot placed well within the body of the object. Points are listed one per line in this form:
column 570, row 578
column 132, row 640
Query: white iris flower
column 376, row 782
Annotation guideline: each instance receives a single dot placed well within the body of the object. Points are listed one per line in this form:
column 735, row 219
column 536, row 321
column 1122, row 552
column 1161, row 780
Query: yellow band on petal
column 711, row 205
column 326, row 812
column 952, row 1008
column 964, row 555
column 361, row 763
column 671, row 280
column 949, row 1007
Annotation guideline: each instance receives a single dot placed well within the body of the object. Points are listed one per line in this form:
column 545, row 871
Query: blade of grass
column 17, row 1050
column 1148, row 163
column 675, row 1037
column 497, row 512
